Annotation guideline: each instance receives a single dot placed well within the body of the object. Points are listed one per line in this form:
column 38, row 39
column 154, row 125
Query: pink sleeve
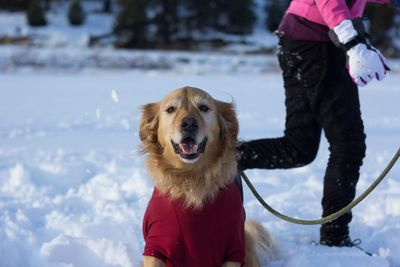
column 333, row 11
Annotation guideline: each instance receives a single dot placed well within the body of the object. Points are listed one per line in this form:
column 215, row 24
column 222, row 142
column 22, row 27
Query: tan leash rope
column 333, row 216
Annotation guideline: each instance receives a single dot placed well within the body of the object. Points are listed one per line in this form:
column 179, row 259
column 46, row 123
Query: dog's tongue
column 188, row 148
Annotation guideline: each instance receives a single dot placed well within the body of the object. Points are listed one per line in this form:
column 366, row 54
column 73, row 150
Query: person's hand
column 366, row 63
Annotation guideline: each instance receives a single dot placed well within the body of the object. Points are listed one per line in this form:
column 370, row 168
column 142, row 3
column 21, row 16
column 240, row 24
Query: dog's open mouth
column 188, row 148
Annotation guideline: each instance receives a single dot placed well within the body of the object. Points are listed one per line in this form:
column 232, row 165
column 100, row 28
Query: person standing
column 325, row 55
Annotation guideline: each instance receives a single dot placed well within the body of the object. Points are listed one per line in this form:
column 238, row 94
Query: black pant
column 319, row 95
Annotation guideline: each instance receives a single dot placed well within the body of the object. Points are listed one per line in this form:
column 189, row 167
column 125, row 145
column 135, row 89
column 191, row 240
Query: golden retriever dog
column 195, row 217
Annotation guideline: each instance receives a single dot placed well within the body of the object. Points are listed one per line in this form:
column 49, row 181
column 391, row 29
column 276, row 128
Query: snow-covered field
column 73, row 187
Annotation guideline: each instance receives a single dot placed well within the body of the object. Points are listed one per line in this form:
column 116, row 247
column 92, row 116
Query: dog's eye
column 204, row 108
column 170, row 109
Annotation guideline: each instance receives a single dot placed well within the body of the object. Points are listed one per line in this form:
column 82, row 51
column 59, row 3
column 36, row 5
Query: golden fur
column 200, row 181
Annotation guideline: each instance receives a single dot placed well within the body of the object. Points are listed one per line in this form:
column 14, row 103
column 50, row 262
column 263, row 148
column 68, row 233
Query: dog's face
column 188, row 121
column 188, row 126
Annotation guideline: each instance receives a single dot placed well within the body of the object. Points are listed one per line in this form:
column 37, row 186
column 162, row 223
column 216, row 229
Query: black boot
column 336, row 233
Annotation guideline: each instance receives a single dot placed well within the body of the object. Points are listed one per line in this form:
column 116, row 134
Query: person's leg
column 318, row 91
column 338, row 108
column 301, row 66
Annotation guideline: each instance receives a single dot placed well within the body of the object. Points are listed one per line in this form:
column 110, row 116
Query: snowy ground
column 73, row 187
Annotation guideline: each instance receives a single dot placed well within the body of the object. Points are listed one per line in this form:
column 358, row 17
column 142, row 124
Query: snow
column 73, row 186
column 114, row 96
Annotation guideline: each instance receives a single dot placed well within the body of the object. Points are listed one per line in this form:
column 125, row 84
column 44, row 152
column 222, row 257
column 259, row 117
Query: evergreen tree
column 240, row 16
column 131, row 23
column 275, row 10
column 186, row 23
column 76, row 14
column 166, row 20
column 107, row 6
column 14, row 4
column 47, row 4
column 199, row 11
column 382, row 21
column 202, row 13
column 219, row 14
column 35, row 14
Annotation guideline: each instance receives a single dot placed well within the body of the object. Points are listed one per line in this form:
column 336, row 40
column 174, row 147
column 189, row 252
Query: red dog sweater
column 186, row 237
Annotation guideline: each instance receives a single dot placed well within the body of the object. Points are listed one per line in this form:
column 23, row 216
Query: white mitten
column 365, row 62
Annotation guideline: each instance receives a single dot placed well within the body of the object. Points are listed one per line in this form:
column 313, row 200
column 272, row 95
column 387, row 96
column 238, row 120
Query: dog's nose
column 189, row 125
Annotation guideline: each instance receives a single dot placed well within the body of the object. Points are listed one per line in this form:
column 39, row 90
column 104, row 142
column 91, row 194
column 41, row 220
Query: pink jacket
column 329, row 12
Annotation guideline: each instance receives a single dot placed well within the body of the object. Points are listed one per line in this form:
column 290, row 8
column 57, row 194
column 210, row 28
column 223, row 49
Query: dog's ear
column 228, row 122
column 149, row 125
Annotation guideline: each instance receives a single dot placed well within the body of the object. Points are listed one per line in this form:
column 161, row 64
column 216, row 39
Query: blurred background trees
column 241, row 16
column 76, row 14
column 107, row 6
column 36, row 14
column 275, row 9
column 14, row 4
column 382, row 25
column 165, row 23
column 131, row 24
